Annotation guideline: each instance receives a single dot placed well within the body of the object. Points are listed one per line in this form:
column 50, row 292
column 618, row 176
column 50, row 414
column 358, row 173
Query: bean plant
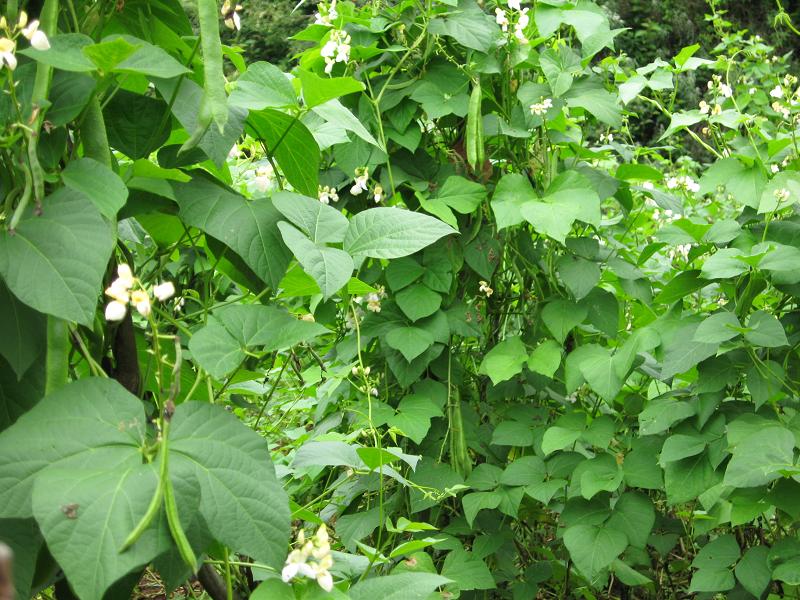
column 422, row 317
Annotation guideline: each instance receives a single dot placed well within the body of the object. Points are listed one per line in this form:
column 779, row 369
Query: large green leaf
column 468, row 25
column 513, row 191
column 761, row 457
column 98, row 183
column 262, row 86
column 400, row 586
column 54, row 262
column 388, row 232
column 241, row 500
column 504, row 360
column 594, row 547
column 249, row 228
column 23, row 339
column 414, row 414
column 292, row 145
column 133, row 123
column 321, row 223
column 467, row 571
column 330, row 267
column 220, row 346
column 418, row 301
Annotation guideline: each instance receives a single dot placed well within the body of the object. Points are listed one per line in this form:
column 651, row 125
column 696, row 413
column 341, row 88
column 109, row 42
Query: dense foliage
column 438, row 313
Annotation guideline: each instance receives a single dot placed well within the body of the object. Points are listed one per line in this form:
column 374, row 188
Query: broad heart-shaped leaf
column 132, row 123
column 98, row 183
column 765, row 330
column 468, row 571
column 24, row 338
column 86, row 512
column 321, row 223
column 561, row 316
column 330, row 267
column 569, row 198
column 594, row 547
column 504, row 360
column 414, row 414
column 319, row 90
column 262, row 86
column 249, row 228
column 241, row 500
column 219, row 346
column 468, row 25
column 410, row 341
column 398, row 586
column 513, row 191
column 418, row 301
column 88, row 421
column 761, row 457
column 635, row 516
column 389, row 232
column 18, row 396
column 54, row 262
column 292, row 145
column 599, row 369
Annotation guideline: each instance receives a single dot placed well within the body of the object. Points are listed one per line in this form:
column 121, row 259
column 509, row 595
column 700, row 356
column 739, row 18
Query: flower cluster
column 484, row 288
column 541, row 107
column 606, row 138
column 299, row 562
column 706, row 109
column 29, row 31
column 516, row 15
column 377, row 194
column 264, row 177
column 361, row 179
column 683, row 182
column 781, row 195
column 230, row 15
column 782, row 93
column 716, row 85
column 336, row 49
column 326, row 194
column 126, row 289
column 325, row 14
column 373, row 299
column 680, row 251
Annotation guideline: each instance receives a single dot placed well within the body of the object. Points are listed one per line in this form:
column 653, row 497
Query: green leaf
column 321, row 223
column 600, row 474
column 65, row 52
column 241, row 500
column 292, row 145
column 418, row 301
column 319, row 90
column 546, row 358
column 262, row 86
column 765, row 330
column 103, row 422
column 578, row 274
column 593, row 547
column 467, row 571
column 686, row 479
column 400, row 586
column 598, row 367
column 460, row 194
column 132, row 124
column 410, row 341
column 69, row 93
column 562, row 316
column 87, row 513
column 682, row 120
column 719, row 327
column 753, row 572
column 334, row 112
column 469, row 26
column 24, row 337
column 682, row 285
column 661, row 413
column 761, row 457
column 219, row 346
column 504, row 360
column 713, row 563
column 146, row 59
column 477, row 501
column 512, row 433
column 98, row 183
column 772, row 196
column 589, row 94
column 249, row 228
column 512, row 192
column 679, row 446
column 331, row 268
column 634, row 515
column 38, row 251
column 388, row 232
column 414, row 414
column 402, row 272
